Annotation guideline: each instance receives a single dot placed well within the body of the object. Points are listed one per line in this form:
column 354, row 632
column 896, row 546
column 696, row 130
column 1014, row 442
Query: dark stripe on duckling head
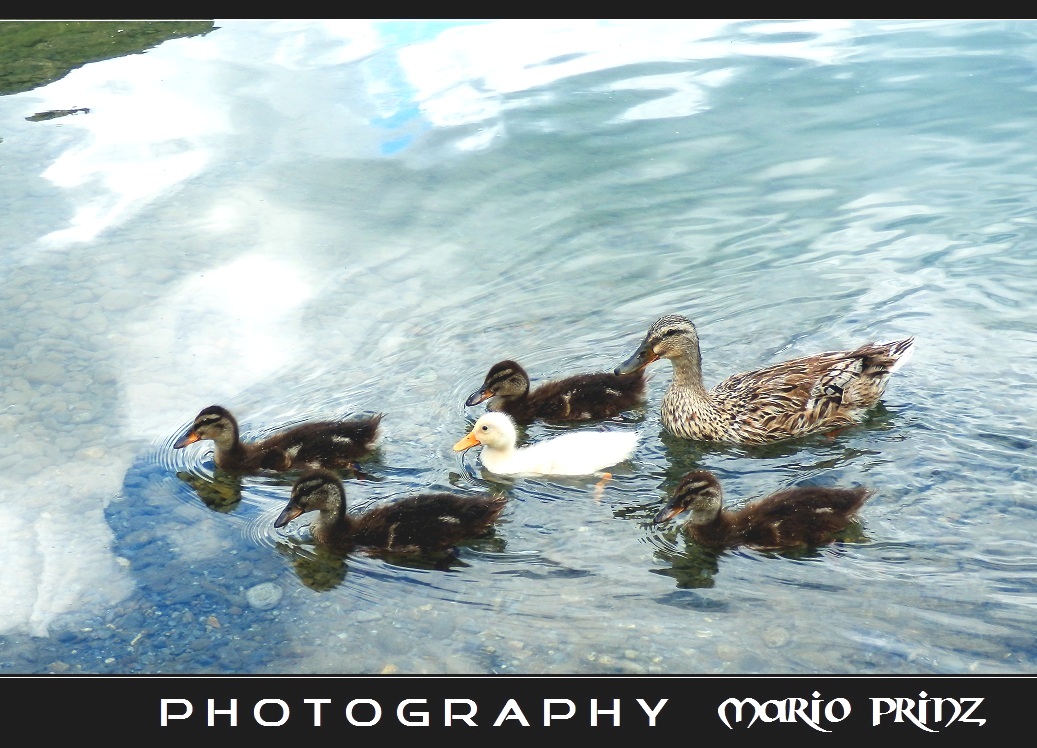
column 497, row 379
column 697, row 487
column 507, row 376
column 311, row 493
column 310, row 483
column 212, row 414
column 503, row 370
column 206, row 417
column 506, row 379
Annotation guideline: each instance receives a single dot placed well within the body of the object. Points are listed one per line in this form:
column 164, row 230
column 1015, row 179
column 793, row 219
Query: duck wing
column 820, row 392
column 801, row 516
column 428, row 522
column 325, row 443
column 587, row 396
column 859, row 379
column 582, row 453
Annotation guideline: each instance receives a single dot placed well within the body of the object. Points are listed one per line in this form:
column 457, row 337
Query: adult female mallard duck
column 427, row 522
column 800, row 516
column 823, row 392
column 576, row 398
column 577, row 453
column 308, row 445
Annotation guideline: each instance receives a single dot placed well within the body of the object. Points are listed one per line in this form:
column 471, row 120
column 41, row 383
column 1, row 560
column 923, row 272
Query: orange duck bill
column 189, row 438
column 467, row 443
column 643, row 356
column 478, row 396
column 290, row 512
column 667, row 513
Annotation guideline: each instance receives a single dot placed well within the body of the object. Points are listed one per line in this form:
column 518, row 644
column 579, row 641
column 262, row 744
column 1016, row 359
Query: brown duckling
column 822, row 392
column 308, row 445
column 580, row 397
column 427, row 522
column 799, row 516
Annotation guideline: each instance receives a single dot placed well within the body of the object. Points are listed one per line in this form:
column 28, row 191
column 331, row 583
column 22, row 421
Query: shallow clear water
column 305, row 220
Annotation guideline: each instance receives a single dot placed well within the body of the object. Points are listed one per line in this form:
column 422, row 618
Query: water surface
column 302, row 220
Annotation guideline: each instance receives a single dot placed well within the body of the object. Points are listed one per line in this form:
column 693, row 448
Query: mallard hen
column 577, row 453
column 800, row 516
column 580, row 397
column 427, row 522
column 823, row 392
column 308, row 445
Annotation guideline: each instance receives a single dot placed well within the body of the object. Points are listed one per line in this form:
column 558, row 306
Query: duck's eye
column 485, row 428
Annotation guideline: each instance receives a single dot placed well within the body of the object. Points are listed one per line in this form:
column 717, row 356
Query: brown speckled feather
column 822, row 392
column 324, row 443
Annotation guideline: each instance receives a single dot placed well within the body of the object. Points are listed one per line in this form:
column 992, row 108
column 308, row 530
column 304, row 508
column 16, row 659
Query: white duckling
column 577, row 453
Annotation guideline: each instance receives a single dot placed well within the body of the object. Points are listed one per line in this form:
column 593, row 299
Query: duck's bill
column 667, row 513
column 641, row 358
column 189, row 438
column 467, row 443
column 478, row 396
column 290, row 512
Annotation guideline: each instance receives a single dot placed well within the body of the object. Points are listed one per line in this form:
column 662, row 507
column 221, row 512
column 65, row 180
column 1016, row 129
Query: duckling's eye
column 485, row 428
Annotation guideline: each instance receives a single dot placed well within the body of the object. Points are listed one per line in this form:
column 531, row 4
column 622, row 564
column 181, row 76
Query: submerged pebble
column 776, row 636
column 264, row 596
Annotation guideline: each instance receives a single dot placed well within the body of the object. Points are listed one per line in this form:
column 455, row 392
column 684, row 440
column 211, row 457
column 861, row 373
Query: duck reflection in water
column 316, row 566
column 221, row 493
column 321, row 568
column 222, row 490
column 693, row 569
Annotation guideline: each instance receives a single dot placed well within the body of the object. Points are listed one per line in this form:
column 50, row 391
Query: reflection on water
column 305, row 220
column 691, row 570
column 318, row 568
column 321, row 569
column 221, row 494
column 694, row 566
